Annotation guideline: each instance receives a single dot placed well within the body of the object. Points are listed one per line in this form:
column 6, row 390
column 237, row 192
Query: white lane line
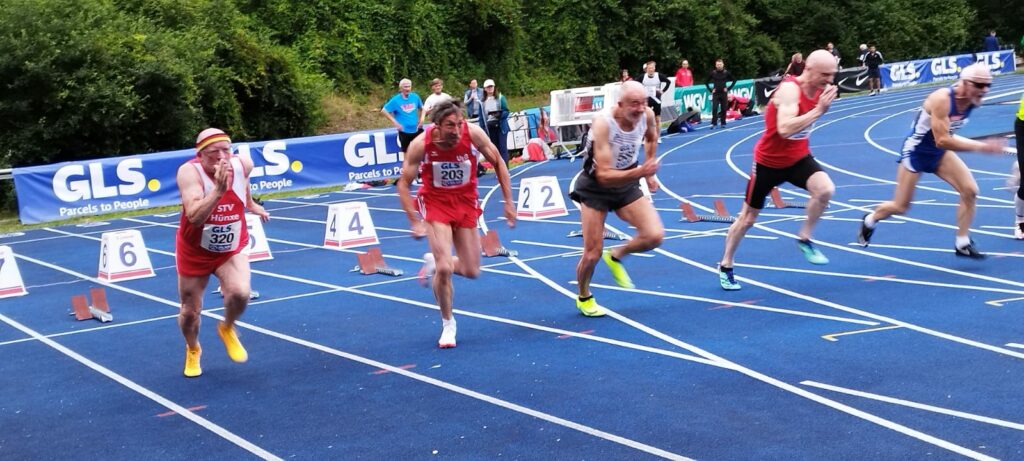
column 566, row 423
column 575, row 249
column 750, row 372
column 880, row 318
column 164, row 317
column 723, row 302
column 917, row 405
column 472, row 394
column 832, row 336
column 1016, row 345
column 397, row 299
column 880, row 278
column 935, row 250
column 145, row 392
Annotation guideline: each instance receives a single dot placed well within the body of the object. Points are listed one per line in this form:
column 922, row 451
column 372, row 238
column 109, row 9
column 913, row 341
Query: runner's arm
column 410, row 169
column 787, row 101
column 196, row 207
column 483, row 144
column 938, row 105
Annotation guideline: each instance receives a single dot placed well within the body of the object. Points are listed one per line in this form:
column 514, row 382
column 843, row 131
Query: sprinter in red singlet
column 783, row 155
column 212, row 233
column 443, row 158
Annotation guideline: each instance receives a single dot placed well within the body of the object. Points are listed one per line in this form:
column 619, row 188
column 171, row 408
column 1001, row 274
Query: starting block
column 608, row 235
column 372, row 262
column 491, row 245
column 778, row 202
column 99, row 309
column 721, row 214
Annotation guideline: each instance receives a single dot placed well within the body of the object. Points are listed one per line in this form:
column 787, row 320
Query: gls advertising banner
column 71, row 189
column 900, row 74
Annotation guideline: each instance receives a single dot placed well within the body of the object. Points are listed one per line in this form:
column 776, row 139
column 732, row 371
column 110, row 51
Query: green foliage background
column 92, row 78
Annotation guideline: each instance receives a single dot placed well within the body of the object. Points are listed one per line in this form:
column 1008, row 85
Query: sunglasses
column 980, row 85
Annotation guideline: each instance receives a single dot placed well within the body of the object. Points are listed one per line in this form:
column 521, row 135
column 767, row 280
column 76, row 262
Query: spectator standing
column 796, row 65
column 684, row 77
column 655, row 84
column 835, row 54
column 405, row 110
column 863, row 53
column 873, row 59
column 719, row 77
column 991, row 42
column 624, row 76
column 495, row 118
column 437, row 96
column 473, row 100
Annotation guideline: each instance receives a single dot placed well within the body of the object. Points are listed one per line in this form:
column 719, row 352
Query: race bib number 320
column 222, row 238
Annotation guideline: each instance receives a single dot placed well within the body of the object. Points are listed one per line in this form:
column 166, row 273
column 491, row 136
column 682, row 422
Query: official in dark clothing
column 719, row 77
column 873, row 59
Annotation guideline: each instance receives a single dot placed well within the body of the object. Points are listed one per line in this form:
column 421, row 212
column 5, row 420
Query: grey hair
column 444, row 109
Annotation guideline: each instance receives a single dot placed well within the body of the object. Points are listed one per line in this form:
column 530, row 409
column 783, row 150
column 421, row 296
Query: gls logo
column 273, row 153
column 944, row 67
column 366, row 149
column 903, row 72
column 991, row 60
column 71, row 183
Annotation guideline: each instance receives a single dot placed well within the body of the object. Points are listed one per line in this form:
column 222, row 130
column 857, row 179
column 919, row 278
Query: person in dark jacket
column 873, row 59
column 719, row 78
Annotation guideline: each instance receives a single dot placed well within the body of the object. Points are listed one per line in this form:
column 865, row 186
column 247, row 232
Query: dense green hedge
column 90, row 78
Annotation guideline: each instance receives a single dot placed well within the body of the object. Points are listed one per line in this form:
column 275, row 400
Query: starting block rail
column 608, row 235
column 779, row 203
column 372, row 262
column 721, row 213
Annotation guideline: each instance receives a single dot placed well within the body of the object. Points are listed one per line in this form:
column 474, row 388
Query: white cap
column 976, row 72
column 488, row 83
column 863, row 46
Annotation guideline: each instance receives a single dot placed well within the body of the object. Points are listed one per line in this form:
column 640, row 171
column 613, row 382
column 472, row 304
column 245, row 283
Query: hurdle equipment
column 491, row 245
column 778, row 202
column 540, row 197
column 608, row 235
column 348, row 226
column 123, row 256
column 258, row 248
column 99, row 309
column 372, row 262
column 10, row 277
column 721, row 213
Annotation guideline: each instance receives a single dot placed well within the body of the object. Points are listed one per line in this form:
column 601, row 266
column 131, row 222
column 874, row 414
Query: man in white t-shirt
column 435, row 98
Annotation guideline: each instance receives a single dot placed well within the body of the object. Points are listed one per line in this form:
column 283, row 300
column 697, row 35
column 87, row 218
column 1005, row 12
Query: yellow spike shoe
column 192, row 368
column 618, row 272
column 231, row 343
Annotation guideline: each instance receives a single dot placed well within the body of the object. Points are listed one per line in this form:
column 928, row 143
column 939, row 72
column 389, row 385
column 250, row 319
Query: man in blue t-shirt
column 405, row 110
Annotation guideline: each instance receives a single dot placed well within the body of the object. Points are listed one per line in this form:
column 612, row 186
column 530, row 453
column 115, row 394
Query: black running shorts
column 763, row 179
column 588, row 192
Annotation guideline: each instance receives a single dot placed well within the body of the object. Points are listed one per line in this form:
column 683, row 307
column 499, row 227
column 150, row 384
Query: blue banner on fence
column 900, row 74
column 72, row 189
